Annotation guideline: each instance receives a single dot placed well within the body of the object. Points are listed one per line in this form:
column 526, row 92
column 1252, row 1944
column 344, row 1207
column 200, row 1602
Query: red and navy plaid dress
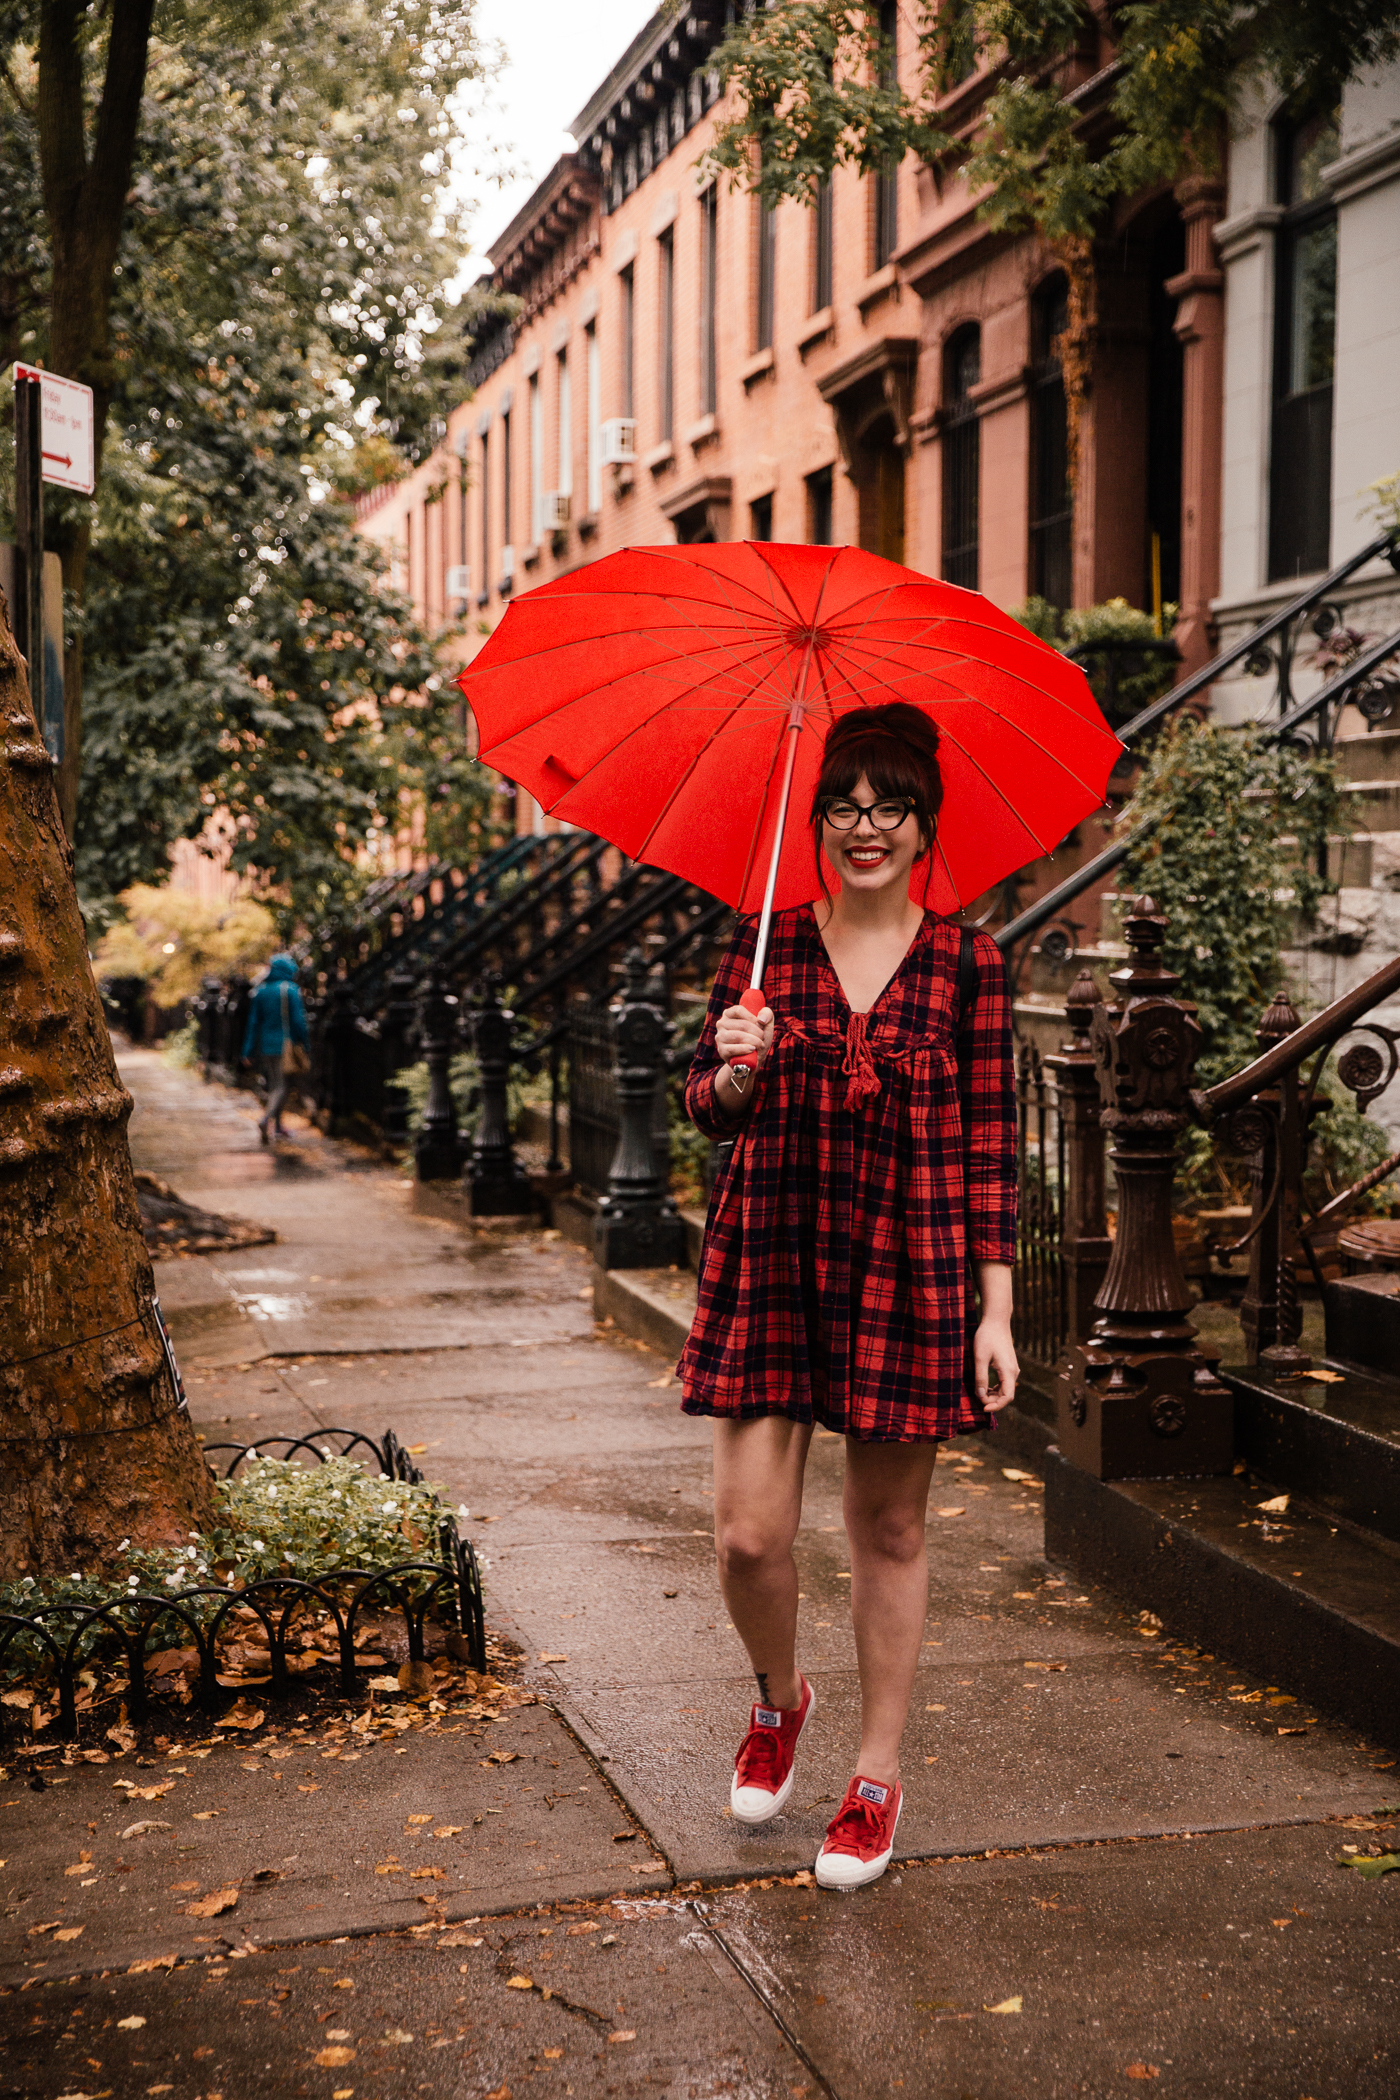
column 878, row 1159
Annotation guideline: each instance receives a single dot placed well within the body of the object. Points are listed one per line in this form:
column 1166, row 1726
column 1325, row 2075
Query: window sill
column 820, row 329
column 660, row 456
column 483, row 598
column 588, row 524
column 756, row 367
column 701, row 433
column 623, row 480
column 883, row 283
column 505, row 586
column 529, row 556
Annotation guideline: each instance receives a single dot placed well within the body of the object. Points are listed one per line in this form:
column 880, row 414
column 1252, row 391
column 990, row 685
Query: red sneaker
column 860, row 1836
column 763, row 1769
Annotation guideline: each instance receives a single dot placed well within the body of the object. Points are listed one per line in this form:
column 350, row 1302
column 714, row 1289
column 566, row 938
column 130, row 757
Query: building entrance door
column 879, row 478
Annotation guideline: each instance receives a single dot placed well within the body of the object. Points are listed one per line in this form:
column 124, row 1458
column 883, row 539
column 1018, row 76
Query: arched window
column 1305, row 336
column 1051, row 516
column 962, row 456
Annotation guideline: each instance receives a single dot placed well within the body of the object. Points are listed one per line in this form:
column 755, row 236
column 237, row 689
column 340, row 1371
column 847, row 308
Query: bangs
column 894, row 771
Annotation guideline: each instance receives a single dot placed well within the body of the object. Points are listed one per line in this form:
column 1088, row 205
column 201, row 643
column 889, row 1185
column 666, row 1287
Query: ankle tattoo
column 761, row 1679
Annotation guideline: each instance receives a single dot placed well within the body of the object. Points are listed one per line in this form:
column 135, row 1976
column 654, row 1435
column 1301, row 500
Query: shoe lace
column 854, row 1828
column 759, row 1758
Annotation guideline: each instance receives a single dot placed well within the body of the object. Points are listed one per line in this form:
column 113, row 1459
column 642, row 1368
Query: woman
column 873, row 1177
column 276, row 1021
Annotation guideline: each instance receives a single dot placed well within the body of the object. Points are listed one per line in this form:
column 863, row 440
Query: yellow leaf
column 953, row 1509
column 213, row 1906
column 332, row 2059
column 551, row 1658
column 623, row 2034
column 521, row 1983
column 420, row 1819
column 70, row 1932
column 1275, row 1508
column 1007, row 2005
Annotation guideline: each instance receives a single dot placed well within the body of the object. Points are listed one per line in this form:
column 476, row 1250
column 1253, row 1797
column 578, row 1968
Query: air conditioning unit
column 507, row 565
column 554, row 512
column 459, row 581
column 619, row 435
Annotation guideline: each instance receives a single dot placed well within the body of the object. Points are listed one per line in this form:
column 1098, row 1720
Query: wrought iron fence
column 67, row 1636
column 1040, row 1322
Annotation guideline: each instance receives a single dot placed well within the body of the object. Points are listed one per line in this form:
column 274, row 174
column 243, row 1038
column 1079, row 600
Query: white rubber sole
column 842, row 1871
column 752, row 1804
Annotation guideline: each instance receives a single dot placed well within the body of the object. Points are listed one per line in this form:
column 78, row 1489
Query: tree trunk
column 94, row 1448
column 85, row 190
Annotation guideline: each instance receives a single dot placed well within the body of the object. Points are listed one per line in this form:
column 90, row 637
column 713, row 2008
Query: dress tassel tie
column 862, row 1078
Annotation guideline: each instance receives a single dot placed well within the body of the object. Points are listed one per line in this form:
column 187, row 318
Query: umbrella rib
column 1002, row 796
column 687, row 776
column 559, row 709
column 952, row 883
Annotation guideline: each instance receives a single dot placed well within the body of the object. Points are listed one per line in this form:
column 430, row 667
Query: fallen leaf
column 201, row 1815
column 25, row 1699
column 1007, row 2005
column 623, row 1837
column 415, row 1677
column 623, row 2034
column 1369, row 1869
column 332, row 2059
column 520, row 1983
column 574, row 1931
column 551, row 1658
column 241, row 1715
column 144, row 1793
column 212, row 1906
column 1044, row 1666
column 136, row 1830
column 559, row 2052
column 155, row 1961
column 953, row 1509
column 502, row 2092
column 133, row 2020
column 1015, row 1473
column 1141, row 2071
column 388, row 1866
column 398, row 2034
column 1328, row 1377
column 503, row 1757
column 427, row 1874
column 419, row 1819
column 448, row 1830
column 1278, row 1507
column 70, row 1932
column 384, row 1684
column 461, row 1939
column 343, row 1983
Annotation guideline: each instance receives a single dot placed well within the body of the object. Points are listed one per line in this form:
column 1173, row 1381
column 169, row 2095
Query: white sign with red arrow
column 67, row 429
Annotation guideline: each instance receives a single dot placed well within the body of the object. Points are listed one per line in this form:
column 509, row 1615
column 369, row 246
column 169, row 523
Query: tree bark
column 85, row 203
column 92, row 1446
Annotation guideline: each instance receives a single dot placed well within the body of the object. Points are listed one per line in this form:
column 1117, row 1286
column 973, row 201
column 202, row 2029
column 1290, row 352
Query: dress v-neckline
column 920, row 932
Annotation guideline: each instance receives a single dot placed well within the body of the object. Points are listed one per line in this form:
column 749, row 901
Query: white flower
column 335, row 1495
column 76, row 1576
column 463, row 1512
column 390, row 1508
column 257, row 1546
column 132, row 1582
column 123, row 1546
column 191, row 1553
column 172, row 1582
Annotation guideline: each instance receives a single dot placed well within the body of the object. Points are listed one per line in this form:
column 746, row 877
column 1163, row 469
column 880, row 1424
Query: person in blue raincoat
column 275, row 1033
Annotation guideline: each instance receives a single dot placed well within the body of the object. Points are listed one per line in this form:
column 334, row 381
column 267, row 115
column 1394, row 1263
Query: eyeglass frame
column 867, row 809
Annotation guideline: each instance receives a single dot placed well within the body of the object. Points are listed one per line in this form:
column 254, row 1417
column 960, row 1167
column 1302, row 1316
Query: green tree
column 1059, row 134
column 173, row 168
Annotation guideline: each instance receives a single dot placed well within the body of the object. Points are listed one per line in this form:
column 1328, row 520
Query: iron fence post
column 498, row 1184
column 395, row 1031
column 436, row 1150
column 638, row 1225
column 1140, row 1398
column 1256, row 1129
column 1085, row 1246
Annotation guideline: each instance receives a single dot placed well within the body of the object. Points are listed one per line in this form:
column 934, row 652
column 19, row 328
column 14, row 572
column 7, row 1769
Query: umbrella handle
column 753, row 1002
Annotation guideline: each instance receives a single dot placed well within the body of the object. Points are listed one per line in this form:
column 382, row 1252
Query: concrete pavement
column 1112, row 1830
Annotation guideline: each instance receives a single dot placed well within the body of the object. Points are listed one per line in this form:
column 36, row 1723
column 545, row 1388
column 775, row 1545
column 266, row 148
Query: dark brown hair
column 896, row 748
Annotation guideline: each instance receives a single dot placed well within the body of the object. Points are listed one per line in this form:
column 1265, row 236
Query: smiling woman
column 872, row 1176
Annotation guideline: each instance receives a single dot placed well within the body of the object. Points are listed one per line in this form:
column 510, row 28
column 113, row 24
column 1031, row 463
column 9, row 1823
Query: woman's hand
column 738, row 1033
column 994, row 1350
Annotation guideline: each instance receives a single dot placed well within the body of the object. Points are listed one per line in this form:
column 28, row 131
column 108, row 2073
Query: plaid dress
column 877, row 1160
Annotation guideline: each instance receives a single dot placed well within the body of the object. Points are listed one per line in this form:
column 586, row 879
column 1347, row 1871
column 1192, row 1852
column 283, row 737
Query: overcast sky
column 557, row 53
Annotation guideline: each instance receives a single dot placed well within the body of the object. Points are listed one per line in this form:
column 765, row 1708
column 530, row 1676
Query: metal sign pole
column 29, row 536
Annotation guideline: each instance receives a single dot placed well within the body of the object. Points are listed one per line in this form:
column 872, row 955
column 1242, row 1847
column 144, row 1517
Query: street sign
column 67, row 429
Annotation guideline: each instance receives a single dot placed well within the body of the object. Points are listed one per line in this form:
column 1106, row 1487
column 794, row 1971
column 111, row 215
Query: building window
column 887, row 180
column 962, row 457
column 1051, row 520
column 627, row 286
column 1305, row 339
column 709, row 257
column 665, row 335
column 483, row 580
column 565, row 483
column 536, row 458
column 507, row 538
column 819, row 508
column 767, row 234
column 821, row 249
column 761, row 518
column 595, row 439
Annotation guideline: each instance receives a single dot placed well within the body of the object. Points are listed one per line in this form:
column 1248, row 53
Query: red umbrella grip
column 753, row 1002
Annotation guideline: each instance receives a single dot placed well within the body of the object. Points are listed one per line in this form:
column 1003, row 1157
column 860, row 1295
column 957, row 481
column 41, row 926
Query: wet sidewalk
column 1118, row 1859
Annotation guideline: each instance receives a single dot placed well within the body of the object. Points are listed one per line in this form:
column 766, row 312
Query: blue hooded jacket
column 263, row 1036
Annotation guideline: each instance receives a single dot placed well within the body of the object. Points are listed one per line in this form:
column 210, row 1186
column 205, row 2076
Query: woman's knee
column 746, row 1547
column 892, row 1534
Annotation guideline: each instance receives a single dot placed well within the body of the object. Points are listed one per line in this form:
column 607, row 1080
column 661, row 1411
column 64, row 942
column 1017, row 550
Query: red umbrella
column 673, row 699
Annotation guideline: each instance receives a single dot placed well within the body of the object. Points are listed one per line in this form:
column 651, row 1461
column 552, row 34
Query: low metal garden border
column 453, row 1584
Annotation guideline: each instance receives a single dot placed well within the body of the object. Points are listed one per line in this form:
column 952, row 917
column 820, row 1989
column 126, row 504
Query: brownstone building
column 879, row 368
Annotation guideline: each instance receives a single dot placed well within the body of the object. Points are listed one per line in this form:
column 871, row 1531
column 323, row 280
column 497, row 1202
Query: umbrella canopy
column 649, row 697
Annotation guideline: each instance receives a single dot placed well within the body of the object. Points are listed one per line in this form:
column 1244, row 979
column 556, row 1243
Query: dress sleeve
column 987, row 1085
column 730, row 980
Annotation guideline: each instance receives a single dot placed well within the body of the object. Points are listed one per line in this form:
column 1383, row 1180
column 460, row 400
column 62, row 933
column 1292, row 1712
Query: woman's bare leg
column 758, row 1506
column 886, row 1506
